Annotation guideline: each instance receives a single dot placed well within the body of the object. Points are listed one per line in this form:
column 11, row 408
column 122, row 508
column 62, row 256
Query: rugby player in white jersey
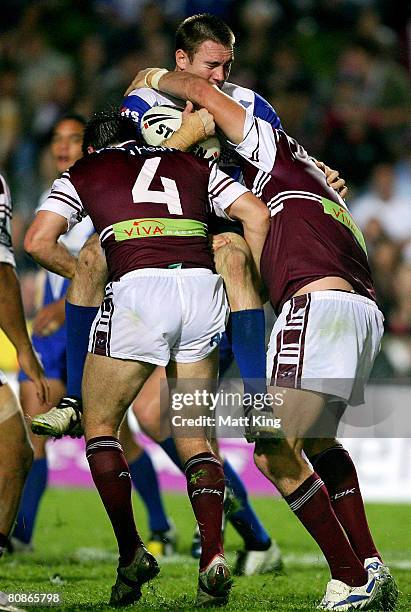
column 16, row 453
column 322, row 346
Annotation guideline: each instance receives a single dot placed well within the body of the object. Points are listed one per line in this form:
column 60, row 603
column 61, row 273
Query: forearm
column 255, row 236
column 54, row 257
column 228, row 114
column 41, row 242
column 255, row 218
column 186, row 86
column 12, row 319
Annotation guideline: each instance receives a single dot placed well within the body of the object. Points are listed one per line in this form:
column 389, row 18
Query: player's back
column 312, row 234
column 149, row 205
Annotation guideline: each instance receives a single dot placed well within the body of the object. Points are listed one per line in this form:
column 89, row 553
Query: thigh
column 109, row 387
column 299, row 411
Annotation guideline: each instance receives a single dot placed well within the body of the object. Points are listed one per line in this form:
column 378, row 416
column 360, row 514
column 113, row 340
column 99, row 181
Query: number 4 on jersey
column 142, row 193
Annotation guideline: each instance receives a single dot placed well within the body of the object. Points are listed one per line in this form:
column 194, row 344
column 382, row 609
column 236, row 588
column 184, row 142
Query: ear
column 182, row 60
column 90, row 149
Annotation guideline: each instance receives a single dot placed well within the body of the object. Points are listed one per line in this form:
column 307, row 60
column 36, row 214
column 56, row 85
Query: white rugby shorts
column 154, row 315
column 326, row 341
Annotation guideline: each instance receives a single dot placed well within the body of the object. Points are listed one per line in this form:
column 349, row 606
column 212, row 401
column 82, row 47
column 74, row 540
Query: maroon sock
column 335, row 467
column 205, row 486
column 111, row 476
column 311, row 504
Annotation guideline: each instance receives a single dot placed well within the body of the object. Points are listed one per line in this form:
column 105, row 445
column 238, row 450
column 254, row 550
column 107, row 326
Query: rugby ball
column 160, row 122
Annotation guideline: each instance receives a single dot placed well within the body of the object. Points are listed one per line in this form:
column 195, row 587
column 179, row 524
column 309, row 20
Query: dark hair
column 107, row 128
column 69, row 117
column 195, row 30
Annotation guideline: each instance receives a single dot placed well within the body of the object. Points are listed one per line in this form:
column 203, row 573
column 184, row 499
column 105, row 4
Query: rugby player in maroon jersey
column 163, row 306
column 322, row 346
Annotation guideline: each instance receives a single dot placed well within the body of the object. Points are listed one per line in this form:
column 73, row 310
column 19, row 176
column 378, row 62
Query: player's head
column 204, row 45
column 66, row 141
column 107, row 128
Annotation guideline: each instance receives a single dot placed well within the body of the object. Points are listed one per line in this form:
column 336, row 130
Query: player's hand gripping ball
column 160, row 122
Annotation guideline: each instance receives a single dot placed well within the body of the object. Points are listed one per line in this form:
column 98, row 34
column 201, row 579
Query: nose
column 62, row 145
column 218, row 75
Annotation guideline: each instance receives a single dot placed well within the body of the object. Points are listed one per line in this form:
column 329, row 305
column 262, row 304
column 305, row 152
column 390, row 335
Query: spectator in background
column 403, row 170
column 9, row 113
column 369, row 26
column 399, row 321
column 381, row 204
column 381, row 93
column 397, row 344
column 350, row 144
column 290, row 91
column 385, row 256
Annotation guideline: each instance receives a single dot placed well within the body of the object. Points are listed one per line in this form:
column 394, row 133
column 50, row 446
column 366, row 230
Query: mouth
column 63, row 162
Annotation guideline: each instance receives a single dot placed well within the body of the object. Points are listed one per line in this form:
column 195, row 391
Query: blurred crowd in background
column 336, row 71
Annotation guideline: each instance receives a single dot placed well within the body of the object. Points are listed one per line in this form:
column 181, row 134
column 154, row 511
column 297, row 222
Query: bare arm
column 13, row 323
column 12, row 319
column 228, row 114
column 255, row 218
column 41, row 242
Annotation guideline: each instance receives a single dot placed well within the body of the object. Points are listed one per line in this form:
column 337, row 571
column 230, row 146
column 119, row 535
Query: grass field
column 75, row 555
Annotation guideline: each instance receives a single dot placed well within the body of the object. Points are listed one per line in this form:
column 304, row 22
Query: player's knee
column 149, row 423
column 265, row 455
column 232, row 262
column 277, row 458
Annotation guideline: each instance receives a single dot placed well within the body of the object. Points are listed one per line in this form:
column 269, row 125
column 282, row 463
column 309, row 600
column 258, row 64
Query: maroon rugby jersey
column 150, row 205
column 312, row 234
